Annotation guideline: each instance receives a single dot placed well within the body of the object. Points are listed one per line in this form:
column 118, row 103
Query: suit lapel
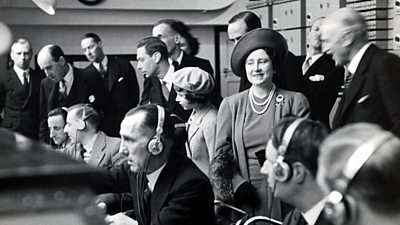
column 97, row 153
column 359, row 77
column 195, row 125
column 162, row 187
column 112, row 70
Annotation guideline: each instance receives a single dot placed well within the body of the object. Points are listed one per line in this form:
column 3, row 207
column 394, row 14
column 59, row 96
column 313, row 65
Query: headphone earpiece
column 340, row 208
column 87, row 112
column 155, row 145
column 281, row 169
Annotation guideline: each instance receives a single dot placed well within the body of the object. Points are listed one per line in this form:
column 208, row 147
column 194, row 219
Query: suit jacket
column 123, row 89
column 374, row 94
column 322, row 94
column 288, row 76
column 294, row 217
column 104, row 153
column 21, row 112
column 86, row 88
column 153, row 94
column 182, row 194
column 201, row 137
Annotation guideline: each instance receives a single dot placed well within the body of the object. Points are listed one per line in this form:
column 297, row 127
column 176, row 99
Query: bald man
column 372, row 93
column 19, row 92
column 65, row 86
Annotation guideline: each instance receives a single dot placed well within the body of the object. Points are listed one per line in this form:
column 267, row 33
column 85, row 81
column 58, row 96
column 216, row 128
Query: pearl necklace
column 266, row 103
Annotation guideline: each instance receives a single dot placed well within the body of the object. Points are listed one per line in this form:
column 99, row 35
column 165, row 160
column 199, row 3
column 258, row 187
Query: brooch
column 317, row 78
column 279, row 100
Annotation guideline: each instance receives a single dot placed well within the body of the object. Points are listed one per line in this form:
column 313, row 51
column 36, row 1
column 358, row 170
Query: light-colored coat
column 201, row 137
column 104, row 153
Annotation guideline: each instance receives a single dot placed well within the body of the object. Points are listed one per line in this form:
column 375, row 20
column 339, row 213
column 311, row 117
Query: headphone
column 337, row 206
column 88, row 111
column 155, row 145
column 281, row 169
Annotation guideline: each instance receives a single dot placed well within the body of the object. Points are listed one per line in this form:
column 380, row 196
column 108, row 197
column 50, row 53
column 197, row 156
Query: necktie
column 165, row 90
column 306, row 65
column 63, row 88
column 176, row 65
column 145, row 211
column 336, row 111
column 348, row 77
column 102, row 71
column 26, row 84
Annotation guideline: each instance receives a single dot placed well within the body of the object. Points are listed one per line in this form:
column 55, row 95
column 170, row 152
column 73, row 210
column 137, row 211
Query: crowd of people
column 311, row 141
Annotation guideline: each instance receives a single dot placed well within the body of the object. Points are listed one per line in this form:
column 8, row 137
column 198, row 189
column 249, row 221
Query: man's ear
column 100, row 44
column 156, row 57
column 347, row 37
column 62, row 60
column 177, row 38
column 299, row 172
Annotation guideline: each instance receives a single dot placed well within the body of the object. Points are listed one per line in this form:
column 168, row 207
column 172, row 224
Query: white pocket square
column 120, row 79
column 363, row 99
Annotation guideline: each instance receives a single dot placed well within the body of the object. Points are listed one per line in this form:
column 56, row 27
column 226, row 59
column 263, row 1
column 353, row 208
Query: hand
column 120, row 219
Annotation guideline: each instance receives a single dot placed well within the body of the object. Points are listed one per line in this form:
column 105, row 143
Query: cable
column 272, row 200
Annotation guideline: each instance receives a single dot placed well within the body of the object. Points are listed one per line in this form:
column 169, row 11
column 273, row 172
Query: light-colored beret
column 194, row 79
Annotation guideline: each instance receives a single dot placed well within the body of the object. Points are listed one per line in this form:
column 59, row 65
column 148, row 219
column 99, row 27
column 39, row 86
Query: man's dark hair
column 95, row 37
column 304, row 144
column 58, row 111
column 152, row 45
column 56, row 52
column 150, row 121
column 251, row 20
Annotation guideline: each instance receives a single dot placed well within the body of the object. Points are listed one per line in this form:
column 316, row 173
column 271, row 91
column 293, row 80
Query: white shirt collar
column 168, row 77
column 314, row 58
column 20, row 73
column 352, row 66
column 89, row 145
column 179, row 59
column 153, row 177
column 311, row 216
column 103, row 62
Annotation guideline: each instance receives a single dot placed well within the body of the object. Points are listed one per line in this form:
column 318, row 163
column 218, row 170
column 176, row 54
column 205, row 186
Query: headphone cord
column 272, row 201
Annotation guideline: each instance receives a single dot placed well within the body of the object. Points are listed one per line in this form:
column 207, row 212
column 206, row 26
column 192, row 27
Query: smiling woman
column 245, row 121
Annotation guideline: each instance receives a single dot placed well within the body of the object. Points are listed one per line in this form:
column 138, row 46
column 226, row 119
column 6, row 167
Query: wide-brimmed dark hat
column 260, row 38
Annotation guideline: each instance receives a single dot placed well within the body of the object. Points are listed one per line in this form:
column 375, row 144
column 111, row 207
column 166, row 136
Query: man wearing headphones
column 359, row 168
column 166, row 186
column 90, row 144
column 291, row 166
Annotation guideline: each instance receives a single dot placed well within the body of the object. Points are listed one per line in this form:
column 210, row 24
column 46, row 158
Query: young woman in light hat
column 193, row 86
column 246, row 119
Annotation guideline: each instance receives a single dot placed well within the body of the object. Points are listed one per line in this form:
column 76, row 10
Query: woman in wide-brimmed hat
column 193, row 87
column 245, row 121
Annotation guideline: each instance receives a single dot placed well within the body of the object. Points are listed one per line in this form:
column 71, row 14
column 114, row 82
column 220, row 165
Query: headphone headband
column 160, row 121
column 287, row 137
column 155, row 145
column 358, row 159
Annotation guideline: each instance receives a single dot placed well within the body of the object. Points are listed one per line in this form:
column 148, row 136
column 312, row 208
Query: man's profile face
column 167, row 35
column 134, row 141
column 236, row 30
column 56, row 126
column 21, row 55
column 72, row 126
column 145, row 63
column 92, row 50
column 332, row 42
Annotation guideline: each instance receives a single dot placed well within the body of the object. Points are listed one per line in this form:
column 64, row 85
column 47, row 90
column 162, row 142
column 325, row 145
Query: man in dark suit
column 323, row 78
column 291, row 166
column 19, row 92
column 65, row 86
column 170, row 32
column 119, row 78
column 373, row 82
column 289, row 78
column 152, row 57
column 167, row 187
